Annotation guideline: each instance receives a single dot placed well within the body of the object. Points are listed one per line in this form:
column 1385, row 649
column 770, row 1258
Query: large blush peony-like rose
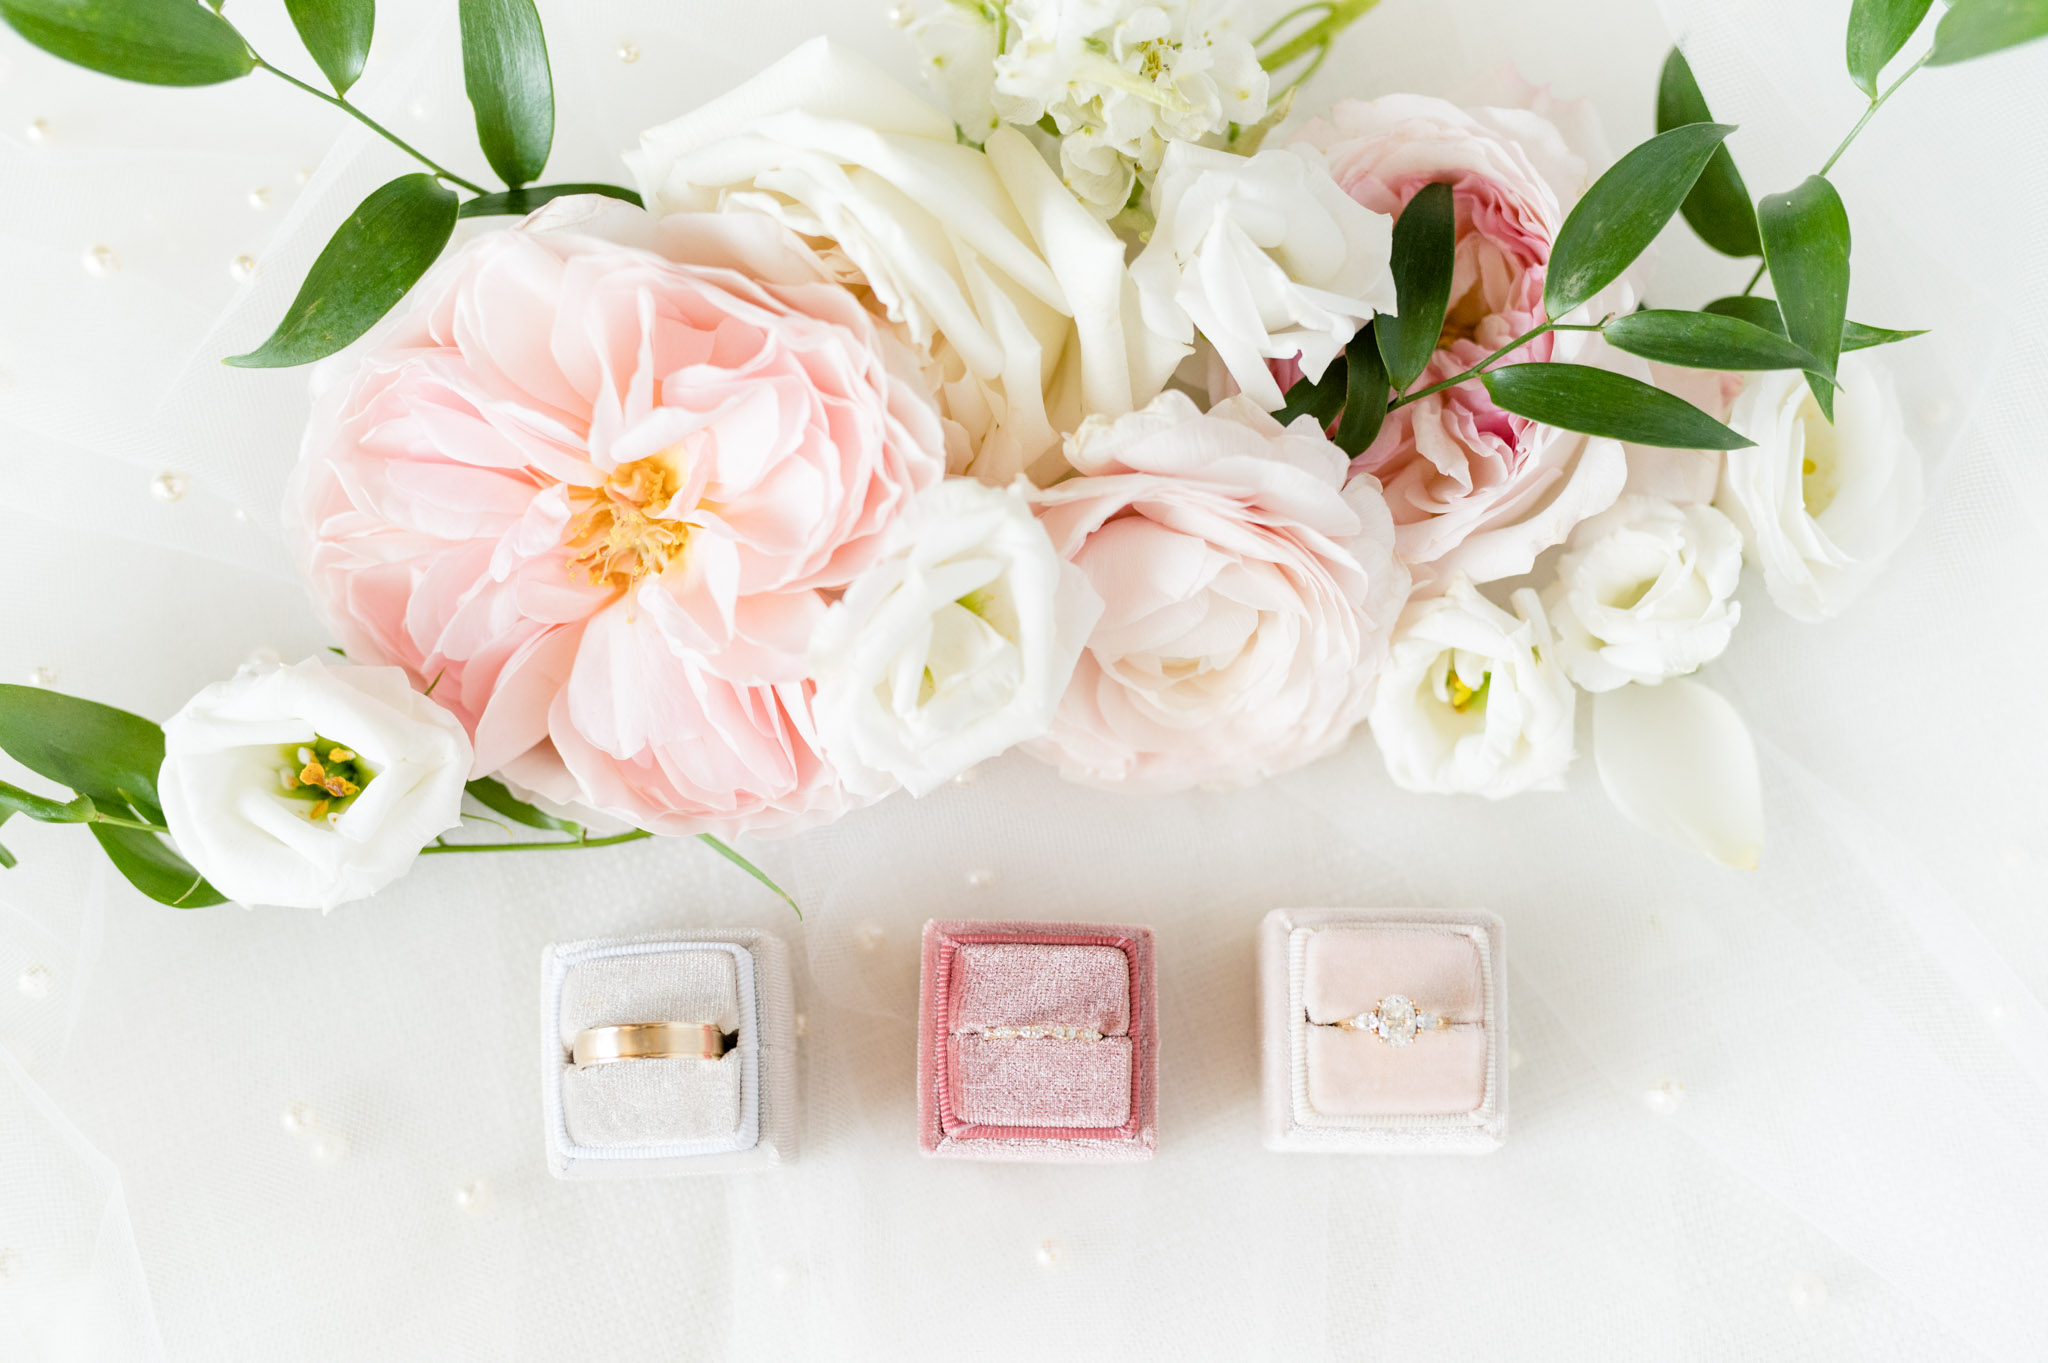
column 594, row 492
column 1248, row 594
column 1475, row 489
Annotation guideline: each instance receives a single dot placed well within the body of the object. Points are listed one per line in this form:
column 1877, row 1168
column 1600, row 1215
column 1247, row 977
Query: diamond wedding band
column 648, row 1041
column 1395, row 1020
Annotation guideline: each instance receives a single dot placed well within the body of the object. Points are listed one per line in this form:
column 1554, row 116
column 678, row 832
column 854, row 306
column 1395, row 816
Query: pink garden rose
column 1473, row 488
column 596, row 481
column 1248, row 594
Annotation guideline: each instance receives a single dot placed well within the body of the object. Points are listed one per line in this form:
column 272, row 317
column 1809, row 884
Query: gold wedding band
column 648, row 1041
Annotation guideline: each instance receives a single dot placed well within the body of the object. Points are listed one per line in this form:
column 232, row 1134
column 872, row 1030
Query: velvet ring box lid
column 1336, row 1088
column 1037, row 1041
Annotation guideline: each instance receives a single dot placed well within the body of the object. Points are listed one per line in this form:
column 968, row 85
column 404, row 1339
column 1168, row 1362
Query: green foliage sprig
column 1801, row 238
column 400, row 230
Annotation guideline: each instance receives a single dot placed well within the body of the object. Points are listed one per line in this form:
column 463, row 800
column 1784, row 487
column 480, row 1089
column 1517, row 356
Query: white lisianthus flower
column 1121, row 79
column 956, row 645
column 1473, row 700
column 1821, row 507
column 1266, row 256
column 310, row 785
column 1645, row 592
column 1016, row 299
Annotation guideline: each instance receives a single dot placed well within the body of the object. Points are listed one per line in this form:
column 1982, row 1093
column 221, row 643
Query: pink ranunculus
column 1473, row 488
column 592, row 487
column 1248, row 596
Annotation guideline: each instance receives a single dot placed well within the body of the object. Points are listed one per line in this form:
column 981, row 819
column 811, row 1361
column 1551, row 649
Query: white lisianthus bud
column 1821, row 507
column 1472, row 700
column 310, row 785
column 1266, row 256
column 956, row 645
column 1645, row 592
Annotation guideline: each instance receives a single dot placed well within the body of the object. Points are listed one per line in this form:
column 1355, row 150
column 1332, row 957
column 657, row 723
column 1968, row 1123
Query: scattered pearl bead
column 420, row 109
column 1994, row 1012
column 38, row 130
column 629, row 51
column 1664, row 1096
column 34, row 982
column 101, row 261
column 326, row 1148
column 965, row 778
column 263, row 655
column 302, row 175
column 782, row 1275
column 298, row 1118
column 980, row 880
column 241, row 516
column 43, row 676
column 10, row 1263
column 868, row 936
column 900, row 16
column 1807, row 1292
column 170, row 486
column 803, row 1023
column 469, row 1194
column 242, row 269
column 1048, row 1253
column 259, row 198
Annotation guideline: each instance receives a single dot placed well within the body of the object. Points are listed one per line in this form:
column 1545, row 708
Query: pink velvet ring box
column 1037, row 1041
column 1335, row 1089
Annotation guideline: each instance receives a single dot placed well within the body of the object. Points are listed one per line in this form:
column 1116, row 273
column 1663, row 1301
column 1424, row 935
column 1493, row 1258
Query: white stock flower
column 1121, row 79
column 1472, row 700
column 310, row 785
column 1016, row 297
column 1645, row 592
column 1821, row 507
column 958, row 42
column 1266, row 256
column 953, row 647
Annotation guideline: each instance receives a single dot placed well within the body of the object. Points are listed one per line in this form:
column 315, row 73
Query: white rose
column 955, row 646
column 1821, row 507
column 1472, row 700
column 1266, row 256
column 1122, row 80
column 1017, row 297
column 1645, row 592
column 310, row 785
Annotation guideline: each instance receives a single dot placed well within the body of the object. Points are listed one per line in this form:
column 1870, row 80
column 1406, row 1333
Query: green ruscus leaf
column 493, row 795
column 337, row 33
column 1877, row 30
column 1598, row 402
column 756, row 872
column 1718, row 208
column 1365, row 393
column 1704, row 340
column 1624, row 211
column 1977, row 28
column 521, row 201
column 362, row 272
column 1425, row 253
column 1806, row 244
column 1320, row 398
column 156, row 42
column 14, row 800
column 505, row 70
column 1763, row 312
column 151, row 866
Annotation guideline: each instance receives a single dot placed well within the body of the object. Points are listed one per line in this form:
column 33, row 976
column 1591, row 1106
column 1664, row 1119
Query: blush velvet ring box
column 1037, row 1041
column 1383, row 1030
column 728, row 1107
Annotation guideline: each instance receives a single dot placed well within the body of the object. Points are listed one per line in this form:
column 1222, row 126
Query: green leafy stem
column 1311, row 41
column 110, row 759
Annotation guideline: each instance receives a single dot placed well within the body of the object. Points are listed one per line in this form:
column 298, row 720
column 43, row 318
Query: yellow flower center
column 620, row 533
column 1464, row 697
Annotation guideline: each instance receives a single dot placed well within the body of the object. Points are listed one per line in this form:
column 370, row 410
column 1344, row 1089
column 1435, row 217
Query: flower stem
column 1875, row 105
column 573, row 845
column 1318, row 37
column 1476, row 370
column 1750, row 287
column 373, row 125
column 115, row 821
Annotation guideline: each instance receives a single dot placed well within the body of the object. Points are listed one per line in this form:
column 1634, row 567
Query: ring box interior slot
column 1329, row 1089
column 1078, row 1083
column 673, row 1115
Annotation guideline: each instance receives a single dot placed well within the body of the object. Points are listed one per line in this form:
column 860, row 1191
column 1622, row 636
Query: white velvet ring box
column 642, row 1118
column 1328, row 1089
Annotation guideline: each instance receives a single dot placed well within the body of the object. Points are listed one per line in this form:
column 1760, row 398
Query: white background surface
column 1857, row 1167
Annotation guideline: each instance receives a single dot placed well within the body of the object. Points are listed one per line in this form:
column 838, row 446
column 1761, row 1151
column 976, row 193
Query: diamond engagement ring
column 1395, row 1020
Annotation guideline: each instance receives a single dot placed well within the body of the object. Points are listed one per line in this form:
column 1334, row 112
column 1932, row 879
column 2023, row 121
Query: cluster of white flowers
column 1115, row 82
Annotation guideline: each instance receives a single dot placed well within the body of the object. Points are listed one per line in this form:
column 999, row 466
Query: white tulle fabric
column 1800, row 1112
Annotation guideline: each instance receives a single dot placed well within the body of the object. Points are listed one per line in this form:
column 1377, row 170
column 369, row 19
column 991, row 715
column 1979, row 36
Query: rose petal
column 1678, row 761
